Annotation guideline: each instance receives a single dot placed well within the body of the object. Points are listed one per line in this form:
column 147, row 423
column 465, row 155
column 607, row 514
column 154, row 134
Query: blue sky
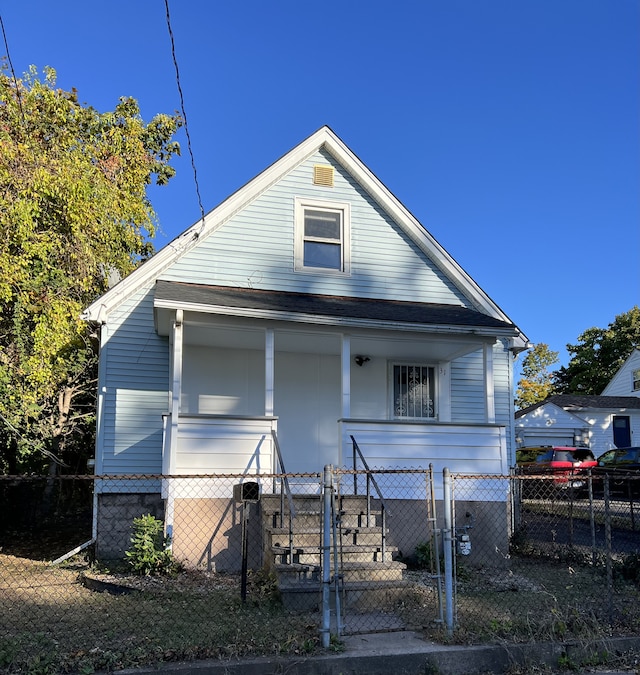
column 510, row 129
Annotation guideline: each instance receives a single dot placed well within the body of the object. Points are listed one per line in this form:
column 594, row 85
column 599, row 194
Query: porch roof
column 288, row 305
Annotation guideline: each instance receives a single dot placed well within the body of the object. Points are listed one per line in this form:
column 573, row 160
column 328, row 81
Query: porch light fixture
column 360, row 360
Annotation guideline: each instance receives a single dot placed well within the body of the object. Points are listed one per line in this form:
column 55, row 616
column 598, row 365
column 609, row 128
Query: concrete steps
column 367, row 579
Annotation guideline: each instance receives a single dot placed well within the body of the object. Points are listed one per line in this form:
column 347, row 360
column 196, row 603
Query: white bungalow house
column 611, row 420
column 308, row 307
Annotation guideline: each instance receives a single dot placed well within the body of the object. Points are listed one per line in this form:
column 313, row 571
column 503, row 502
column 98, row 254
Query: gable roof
column 580, row 402
column 543, row 411
column 323, row 139
column 632, row 360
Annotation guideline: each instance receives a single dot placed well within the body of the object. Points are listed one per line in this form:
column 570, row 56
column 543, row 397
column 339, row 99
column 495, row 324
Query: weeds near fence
column 531, row 600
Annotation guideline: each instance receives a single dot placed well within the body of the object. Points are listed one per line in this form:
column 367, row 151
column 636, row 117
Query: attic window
column 323, row 175
column 322, row 236
column 636, row 380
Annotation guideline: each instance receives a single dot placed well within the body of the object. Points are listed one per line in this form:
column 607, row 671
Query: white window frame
column 344, row 208
column 392, row 394
column 635, row 380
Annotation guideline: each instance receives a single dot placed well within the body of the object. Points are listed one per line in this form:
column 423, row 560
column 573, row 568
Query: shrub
column 424, row 555
column 149, row 553
column 630, row 567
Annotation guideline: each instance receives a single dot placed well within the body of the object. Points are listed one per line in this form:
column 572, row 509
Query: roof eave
column 485, row 332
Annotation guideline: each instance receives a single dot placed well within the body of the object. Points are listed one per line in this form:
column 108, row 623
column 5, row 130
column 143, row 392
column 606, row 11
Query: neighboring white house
column 611, row 420
column 626, row 382
column 307, row 307
column 598, row 422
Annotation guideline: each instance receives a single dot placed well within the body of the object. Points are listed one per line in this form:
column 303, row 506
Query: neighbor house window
column 413, row 390
column 322, row 236
column 636, row 380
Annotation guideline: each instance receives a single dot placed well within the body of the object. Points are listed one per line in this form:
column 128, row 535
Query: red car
column 566, row 464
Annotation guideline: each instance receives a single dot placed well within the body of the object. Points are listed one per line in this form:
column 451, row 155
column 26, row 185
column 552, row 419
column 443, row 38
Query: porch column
column 346, row 376
column 489, row 389
column 176, row 391
column 269, row 349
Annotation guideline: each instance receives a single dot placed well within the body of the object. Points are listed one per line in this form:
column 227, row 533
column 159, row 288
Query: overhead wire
column 13, row 72
column 184, row 117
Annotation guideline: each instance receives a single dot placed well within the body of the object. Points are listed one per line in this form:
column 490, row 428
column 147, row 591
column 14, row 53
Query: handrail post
column 281, row 503
column 354, row 446
column 284, row 487
column 368, row 501
column 367, row 471
column 384, row 533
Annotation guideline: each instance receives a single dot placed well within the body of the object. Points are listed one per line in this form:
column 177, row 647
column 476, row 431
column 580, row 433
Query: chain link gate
column 381, row 551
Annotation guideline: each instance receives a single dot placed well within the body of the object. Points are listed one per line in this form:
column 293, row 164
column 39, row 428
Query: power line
column 13, row 72
column 184, row 116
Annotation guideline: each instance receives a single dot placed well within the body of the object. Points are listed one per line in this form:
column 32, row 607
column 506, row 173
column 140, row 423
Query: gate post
column 326, row 556
column 447, row 544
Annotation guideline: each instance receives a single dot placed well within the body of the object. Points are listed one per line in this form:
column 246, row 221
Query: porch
column 412, row 394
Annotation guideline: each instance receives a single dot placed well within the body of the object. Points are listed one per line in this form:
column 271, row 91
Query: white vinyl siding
column 467, row 388
column 256, row 247
column 625, row 381
column 222, row 381
column 461, row 448
column 135, row 390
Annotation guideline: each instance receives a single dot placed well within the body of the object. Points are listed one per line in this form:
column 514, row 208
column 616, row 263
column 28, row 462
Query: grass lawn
column 50, row 622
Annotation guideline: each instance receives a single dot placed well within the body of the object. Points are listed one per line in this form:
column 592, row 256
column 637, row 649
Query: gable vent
column 323, row 175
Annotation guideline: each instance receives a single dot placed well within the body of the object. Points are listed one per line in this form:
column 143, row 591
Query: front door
column 621, row 431
column 307, row 405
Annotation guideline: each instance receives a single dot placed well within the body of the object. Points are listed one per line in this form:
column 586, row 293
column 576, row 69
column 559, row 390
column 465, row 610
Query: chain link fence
column 571, row 566
column 230, row 572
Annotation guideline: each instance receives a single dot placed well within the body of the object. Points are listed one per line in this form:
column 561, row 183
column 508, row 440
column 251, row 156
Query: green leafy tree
column 536, row 383
column 599, row 354
column 73, row 211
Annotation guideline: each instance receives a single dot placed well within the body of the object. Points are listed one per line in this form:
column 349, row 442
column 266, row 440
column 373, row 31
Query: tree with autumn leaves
column 537, row 381
column 595, row 359
column 73, row 212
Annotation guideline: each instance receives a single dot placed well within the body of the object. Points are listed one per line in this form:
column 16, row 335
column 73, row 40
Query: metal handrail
column 370, row 480
column 284, row 483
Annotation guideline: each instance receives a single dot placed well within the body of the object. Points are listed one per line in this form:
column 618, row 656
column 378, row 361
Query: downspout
column 98, row 464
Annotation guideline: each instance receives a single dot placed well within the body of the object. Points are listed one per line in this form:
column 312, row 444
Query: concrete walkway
column 406, row 653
